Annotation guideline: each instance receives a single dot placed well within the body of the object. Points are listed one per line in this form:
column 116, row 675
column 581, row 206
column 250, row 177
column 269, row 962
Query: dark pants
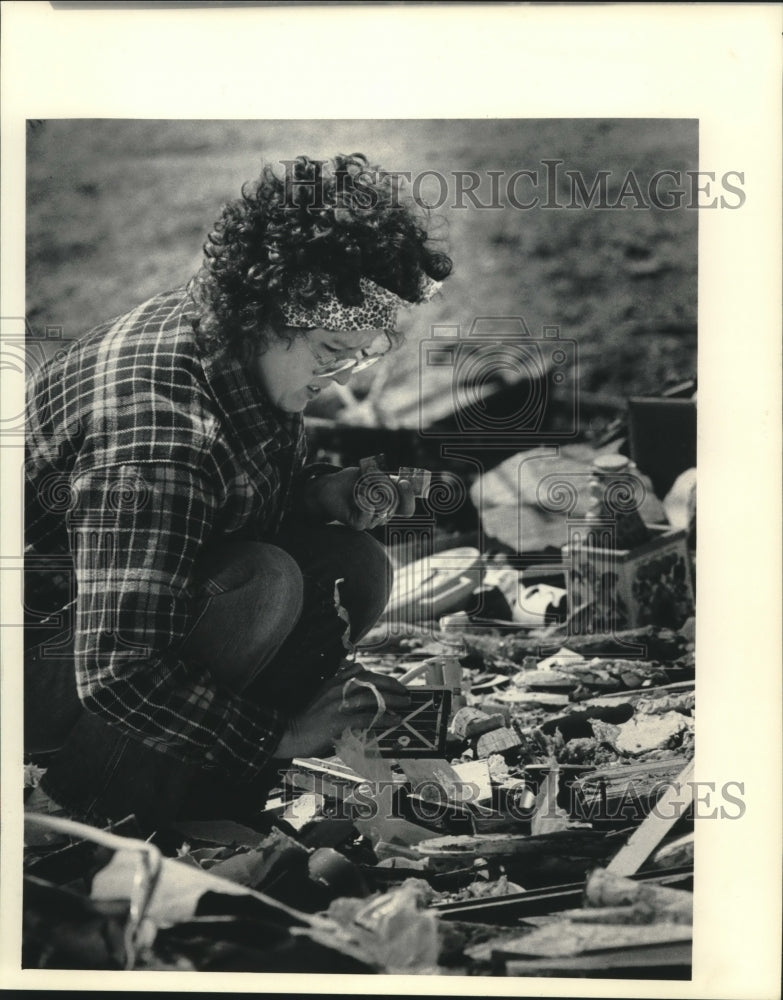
column 266, row 625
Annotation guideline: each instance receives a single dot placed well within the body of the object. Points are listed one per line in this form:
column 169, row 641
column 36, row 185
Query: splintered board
column 422, row 731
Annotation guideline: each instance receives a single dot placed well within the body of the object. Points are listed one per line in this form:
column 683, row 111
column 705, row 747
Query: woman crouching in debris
column 167, row 488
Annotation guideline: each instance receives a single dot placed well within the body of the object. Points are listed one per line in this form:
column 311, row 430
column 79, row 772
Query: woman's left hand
column 360, row 501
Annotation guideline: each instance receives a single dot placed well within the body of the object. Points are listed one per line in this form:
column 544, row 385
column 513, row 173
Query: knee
column 252, row 598
column 230, row 563
column 255, row 568
column 264, row 559
column 278, row 575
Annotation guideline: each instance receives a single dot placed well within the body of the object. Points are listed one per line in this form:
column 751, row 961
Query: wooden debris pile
column 506, row 854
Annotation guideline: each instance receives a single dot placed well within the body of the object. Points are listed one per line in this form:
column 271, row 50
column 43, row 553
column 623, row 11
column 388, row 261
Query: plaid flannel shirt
column 140, row 450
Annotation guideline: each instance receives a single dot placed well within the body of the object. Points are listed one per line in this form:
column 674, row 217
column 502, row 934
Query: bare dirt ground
column 118, row 210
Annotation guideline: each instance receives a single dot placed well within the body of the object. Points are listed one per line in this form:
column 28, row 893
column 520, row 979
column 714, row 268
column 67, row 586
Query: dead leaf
column 253, row 867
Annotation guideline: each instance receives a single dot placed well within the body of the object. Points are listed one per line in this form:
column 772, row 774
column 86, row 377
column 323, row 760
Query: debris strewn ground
column 483, row 861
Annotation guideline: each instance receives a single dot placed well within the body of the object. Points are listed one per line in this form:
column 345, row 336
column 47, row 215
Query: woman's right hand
column 339, row 705
column 335, row 498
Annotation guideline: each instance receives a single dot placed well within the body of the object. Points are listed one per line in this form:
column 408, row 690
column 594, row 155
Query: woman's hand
column 339, row 705
column 359, row 501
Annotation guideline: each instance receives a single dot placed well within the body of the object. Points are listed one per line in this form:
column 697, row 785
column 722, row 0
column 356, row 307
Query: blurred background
column 118, row 211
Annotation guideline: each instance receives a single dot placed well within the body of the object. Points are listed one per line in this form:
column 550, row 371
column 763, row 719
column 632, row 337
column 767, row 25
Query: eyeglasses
column 355, row 363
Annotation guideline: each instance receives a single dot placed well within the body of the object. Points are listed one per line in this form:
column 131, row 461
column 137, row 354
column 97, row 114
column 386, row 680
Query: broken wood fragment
column 656, row 644
column 566, row 938
column 498, row 741
column 623, row 791
column 671, row 806
column 468, row 722
column 541, row 901
column 649, row 902
column 672, row 960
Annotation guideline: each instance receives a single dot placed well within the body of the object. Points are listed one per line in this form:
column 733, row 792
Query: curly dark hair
column 317, row 229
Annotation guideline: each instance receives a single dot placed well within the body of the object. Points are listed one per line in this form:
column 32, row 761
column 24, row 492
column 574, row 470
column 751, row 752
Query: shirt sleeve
column 135, row 534
column 295, row 509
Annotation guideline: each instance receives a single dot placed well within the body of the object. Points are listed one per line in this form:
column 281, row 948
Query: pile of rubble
column 524, row 835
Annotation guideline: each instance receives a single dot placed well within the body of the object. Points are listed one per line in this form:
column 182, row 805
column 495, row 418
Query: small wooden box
column 613, row 589
column 423, row 729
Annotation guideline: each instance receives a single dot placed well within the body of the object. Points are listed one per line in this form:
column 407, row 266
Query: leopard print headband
column 378, row 311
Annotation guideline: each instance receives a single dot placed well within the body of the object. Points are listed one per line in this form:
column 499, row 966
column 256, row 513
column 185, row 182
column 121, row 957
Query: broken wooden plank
column 498, row 741
column 563, row 938
column 661, row 644
column 673, row 959
column 624, row 792
column 549, row 899
column 522, row 698
column 643, row 842
column 578, row 842
column 635, row 694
